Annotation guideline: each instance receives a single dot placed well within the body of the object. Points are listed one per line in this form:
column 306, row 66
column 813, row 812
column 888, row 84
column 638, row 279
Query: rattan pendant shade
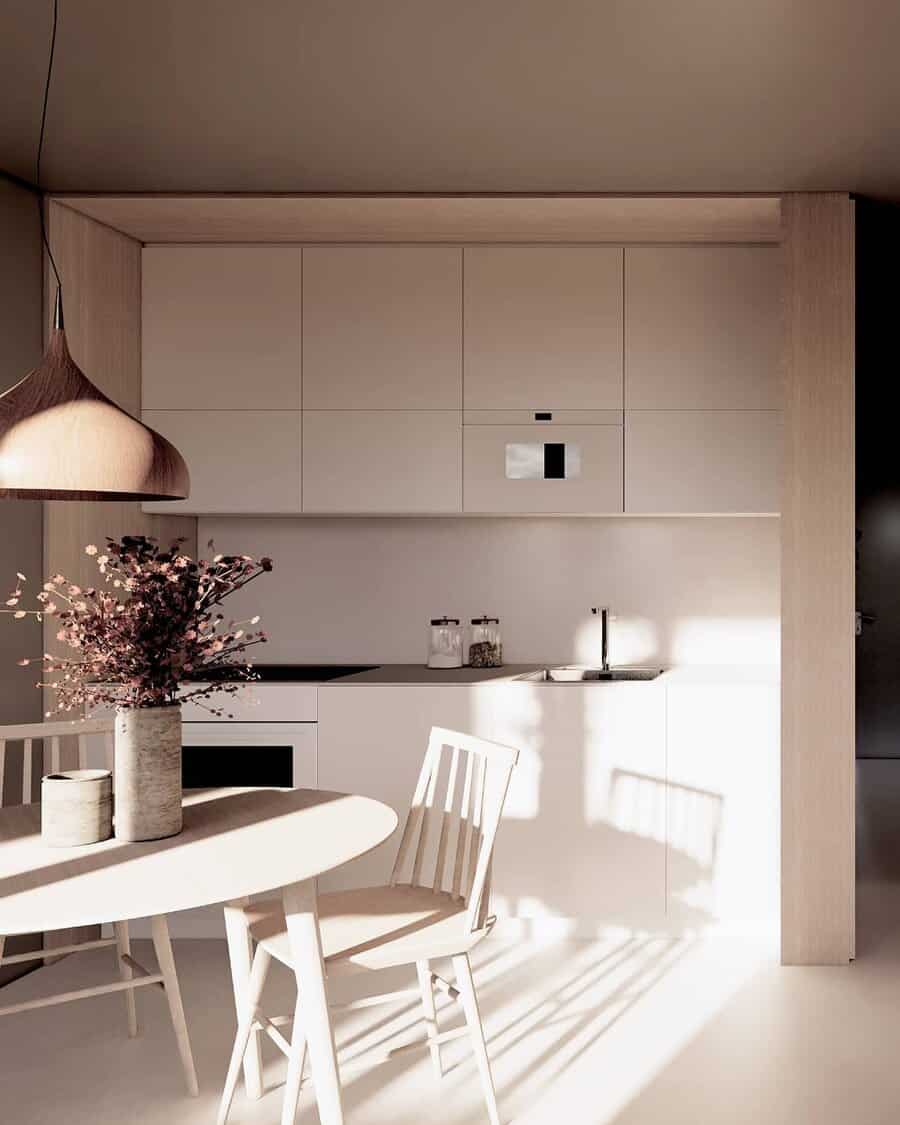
column 62, row 439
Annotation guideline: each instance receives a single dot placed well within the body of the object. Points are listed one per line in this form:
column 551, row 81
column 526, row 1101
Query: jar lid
column 485, row 620
column 445, row 621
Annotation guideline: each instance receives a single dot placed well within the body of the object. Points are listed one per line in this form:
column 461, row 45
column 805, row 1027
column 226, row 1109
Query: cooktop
column 288, row 673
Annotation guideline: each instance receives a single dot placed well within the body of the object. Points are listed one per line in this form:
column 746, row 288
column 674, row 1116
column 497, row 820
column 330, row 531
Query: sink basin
column 589, row 675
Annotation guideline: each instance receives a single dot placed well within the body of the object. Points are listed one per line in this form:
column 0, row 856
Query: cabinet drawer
column 382, row 328
column 359, row 461
column 240, row 461
column 542, row 469
column 260, row 703
column 220, row 326
column 702, row 461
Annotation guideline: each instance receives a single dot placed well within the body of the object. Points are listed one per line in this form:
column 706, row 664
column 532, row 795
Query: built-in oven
column 274, row 754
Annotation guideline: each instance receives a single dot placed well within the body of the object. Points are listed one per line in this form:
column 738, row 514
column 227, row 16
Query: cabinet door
column 702, row 327
column 221, row 328
column 244, row 462
column 723, row 819
column 703, row 461
column 543, row 328
column 382, row 328
column 358, row 461
column 542, row 468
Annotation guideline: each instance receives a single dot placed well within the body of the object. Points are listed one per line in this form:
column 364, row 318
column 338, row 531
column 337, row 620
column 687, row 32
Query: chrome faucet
column 603, row 612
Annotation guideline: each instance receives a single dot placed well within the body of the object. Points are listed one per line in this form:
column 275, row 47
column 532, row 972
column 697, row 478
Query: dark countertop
column 375, row 674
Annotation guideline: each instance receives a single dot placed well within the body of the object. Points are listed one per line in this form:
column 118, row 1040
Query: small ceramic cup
column 76, row 808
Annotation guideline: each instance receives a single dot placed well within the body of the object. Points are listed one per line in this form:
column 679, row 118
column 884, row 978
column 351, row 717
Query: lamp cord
column 40, row 151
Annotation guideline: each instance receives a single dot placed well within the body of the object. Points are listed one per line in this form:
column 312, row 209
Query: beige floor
column 635, row 1030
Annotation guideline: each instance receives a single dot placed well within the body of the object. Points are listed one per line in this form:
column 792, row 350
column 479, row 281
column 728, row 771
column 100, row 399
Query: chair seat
column 374, row 927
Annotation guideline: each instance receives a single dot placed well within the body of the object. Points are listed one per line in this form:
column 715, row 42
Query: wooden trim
column 818, row 582
column 428, row 218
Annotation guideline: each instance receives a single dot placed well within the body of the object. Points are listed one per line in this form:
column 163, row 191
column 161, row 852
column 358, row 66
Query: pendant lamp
column 63, row 439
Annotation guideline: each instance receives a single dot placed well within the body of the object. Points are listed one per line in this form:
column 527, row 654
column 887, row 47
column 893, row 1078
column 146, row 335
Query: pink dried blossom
column 137, row 652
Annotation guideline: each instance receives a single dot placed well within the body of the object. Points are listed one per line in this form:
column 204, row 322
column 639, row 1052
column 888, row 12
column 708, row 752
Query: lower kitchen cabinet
column 381, row 461
column 638, row 806
column 724, row 777
column 702, row 461
column 543, row 468
column 583, row 835
column 240, row 461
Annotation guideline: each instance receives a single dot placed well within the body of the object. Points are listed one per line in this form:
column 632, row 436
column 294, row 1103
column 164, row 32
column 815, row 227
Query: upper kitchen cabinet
column 221, row 328
column 704, row 462
column 543, row 328
column 702, row 328
column 381, row 462
column 240, row 461
column 382, row 328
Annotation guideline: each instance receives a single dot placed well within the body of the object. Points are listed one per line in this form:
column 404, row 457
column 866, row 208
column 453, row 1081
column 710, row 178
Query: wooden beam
column 818, row 582
column 428, row 218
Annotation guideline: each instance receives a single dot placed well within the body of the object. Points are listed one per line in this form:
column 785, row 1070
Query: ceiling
column 459, row 96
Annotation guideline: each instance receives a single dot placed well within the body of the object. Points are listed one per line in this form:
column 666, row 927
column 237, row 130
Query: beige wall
column 20, row 520
column 685, row 591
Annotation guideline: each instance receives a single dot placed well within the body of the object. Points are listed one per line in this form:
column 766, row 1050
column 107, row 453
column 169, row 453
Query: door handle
column 864, row 619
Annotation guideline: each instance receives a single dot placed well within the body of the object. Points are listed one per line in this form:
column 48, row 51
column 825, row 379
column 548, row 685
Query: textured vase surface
column 148, row 773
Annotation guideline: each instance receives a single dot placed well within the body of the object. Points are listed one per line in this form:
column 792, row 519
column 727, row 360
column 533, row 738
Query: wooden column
column 818, row 582
column 101, row 274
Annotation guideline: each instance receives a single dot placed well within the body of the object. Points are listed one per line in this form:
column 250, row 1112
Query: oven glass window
column 208, row 767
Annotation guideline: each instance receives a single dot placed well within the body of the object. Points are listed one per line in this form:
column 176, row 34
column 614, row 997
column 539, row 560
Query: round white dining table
column 236, row 843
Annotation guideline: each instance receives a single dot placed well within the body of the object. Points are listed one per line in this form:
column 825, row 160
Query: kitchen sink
column 589, row 675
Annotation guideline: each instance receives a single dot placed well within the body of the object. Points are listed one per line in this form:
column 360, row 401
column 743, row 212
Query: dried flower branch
column 151, row 626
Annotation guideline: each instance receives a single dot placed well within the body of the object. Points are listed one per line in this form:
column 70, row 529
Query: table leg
column 163, row 948
column 306, row 953
column 240, row 956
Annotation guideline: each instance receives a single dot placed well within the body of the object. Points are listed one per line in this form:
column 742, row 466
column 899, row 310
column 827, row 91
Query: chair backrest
column 52, row 735
column 474, row 785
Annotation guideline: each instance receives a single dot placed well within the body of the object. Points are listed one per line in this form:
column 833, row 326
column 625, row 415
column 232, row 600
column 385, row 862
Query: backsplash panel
column 682, row 591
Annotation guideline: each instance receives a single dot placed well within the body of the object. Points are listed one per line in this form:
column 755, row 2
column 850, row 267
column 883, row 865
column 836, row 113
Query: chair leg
column 163, row 948
column 426, row 988
column 296, row 1061
column 473, row 1018
column 258, row 974
column 123, row 948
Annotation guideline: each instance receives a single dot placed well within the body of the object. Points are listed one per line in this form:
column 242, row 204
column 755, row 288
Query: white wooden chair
column 417, row 918
column 132, row 975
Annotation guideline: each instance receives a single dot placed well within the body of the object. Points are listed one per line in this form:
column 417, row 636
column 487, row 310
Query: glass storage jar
column 445, row 643
column 485, row 644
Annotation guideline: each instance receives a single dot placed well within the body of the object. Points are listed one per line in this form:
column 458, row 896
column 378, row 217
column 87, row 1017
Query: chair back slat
column 469, row 815
column 462, row 829
column 26, row 770
column 55, row 756
column 475, row 821
column 52, row 735
column 109, row 749
column 446, row 822
column 422, row 844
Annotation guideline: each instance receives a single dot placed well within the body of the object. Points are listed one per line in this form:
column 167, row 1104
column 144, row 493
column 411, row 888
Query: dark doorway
column 877, row 575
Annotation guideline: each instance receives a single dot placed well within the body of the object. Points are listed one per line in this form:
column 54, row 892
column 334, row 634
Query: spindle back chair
column 54, row 737
column 437, row 905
